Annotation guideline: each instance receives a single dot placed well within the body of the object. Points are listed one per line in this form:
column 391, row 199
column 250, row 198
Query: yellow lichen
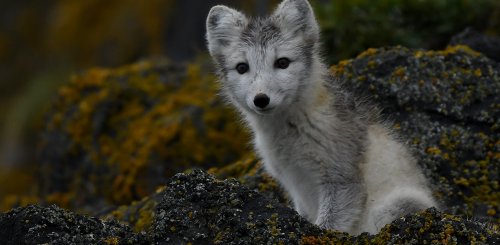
column 248, row 166
column 273, row 225
column 447, row 234
column 339, row 69
column 368, row 53
column 112, row 241
column 462, row 181
column 141, row 132
column 478, row 72
column 446, row 52
column 399, row 72
column 434, row 150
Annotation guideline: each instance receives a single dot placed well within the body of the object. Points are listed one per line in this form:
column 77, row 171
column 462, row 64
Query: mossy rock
column 113, row 135
column 445, row 104
column 139, row 214
column 249, row 172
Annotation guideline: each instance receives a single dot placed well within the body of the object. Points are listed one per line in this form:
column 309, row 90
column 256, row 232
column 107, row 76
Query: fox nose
column 261, row 100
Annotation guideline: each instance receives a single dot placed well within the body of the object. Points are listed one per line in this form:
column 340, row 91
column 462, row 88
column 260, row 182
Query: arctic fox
column 342, row 168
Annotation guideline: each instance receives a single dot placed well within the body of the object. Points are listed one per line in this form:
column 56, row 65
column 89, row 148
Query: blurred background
column 44, row 43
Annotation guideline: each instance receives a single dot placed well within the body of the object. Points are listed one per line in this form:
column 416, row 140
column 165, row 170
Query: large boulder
column 197, row 208
column 445, row 104
column 113, row 135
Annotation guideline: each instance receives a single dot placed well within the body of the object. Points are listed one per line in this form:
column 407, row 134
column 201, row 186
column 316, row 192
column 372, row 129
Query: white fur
column 341, row 172
column 390, row 173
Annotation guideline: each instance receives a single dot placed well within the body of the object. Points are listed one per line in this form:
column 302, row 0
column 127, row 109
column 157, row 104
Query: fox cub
column 342, row 168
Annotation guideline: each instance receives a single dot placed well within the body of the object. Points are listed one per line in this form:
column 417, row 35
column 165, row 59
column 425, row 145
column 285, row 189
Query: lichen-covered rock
column 446, row 106
column 113, row 135
column 52, row 225
column 427, row 227
column 198, row 208
column 251, row 173
column 139, row 214
column 434, row 227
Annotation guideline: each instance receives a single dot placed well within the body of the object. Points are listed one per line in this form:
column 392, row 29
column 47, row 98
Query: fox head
column 267, row 64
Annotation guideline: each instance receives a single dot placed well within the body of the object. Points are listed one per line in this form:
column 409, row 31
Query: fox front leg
column 341, row 206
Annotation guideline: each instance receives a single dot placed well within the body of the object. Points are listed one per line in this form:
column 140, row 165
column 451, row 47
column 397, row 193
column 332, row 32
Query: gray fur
column 323, row 145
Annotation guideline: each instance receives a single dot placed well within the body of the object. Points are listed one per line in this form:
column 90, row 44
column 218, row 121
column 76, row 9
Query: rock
column 53, row 225
column 196, row 208
column 487, row 45
column 446, row 106
column 426, row 227
column 432, row 226
column 114, row 135
column 139, row 214
column 251, row 173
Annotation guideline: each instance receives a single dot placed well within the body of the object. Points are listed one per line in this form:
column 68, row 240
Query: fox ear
column 297, row 16
column 224, row 25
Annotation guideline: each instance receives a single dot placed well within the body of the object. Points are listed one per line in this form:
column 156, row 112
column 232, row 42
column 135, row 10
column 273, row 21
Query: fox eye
column 282, row 63
column 242, row 68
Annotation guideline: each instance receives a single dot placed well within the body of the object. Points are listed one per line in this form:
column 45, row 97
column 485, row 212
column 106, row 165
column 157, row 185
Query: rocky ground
column 196, row 208
column 53, row 225
column 443, row 103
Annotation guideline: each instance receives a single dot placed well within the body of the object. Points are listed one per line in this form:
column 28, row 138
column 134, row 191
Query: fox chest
column 299, row 160
column 285, row 152
column 295, row 148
